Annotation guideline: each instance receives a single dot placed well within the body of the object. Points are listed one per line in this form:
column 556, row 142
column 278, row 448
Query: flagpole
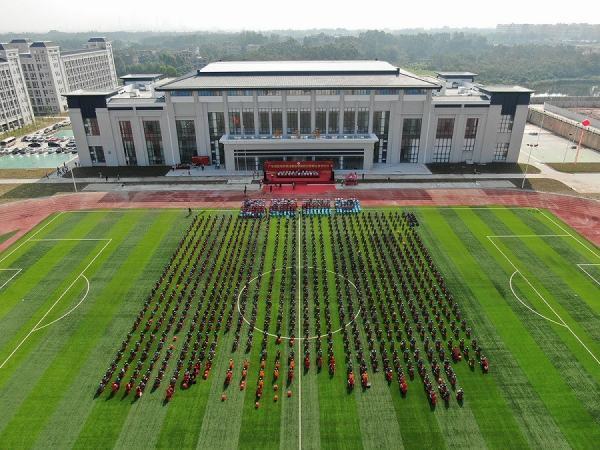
column 584, row 124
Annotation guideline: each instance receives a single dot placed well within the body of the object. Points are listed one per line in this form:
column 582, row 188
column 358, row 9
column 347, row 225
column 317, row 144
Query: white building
column 50, row 73
column 15, row 108
column 356, row 113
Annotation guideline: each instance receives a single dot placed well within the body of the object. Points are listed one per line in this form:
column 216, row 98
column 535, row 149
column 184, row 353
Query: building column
column 426, row 126
column 229, row 158
column 368, row 158
column 171, row 150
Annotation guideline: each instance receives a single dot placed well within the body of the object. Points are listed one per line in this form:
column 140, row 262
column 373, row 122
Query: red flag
column 585, row 123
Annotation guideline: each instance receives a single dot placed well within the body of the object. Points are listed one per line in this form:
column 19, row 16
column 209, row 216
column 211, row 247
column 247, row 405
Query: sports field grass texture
column 71, row 289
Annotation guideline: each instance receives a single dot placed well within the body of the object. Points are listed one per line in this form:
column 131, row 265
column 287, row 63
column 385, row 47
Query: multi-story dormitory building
column 50, row 73
column 356, row 113
column 15, row 108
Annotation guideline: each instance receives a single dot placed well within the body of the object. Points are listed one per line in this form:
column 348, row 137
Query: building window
column 501, row 151
column 305, row 127
column 321, row 120
column 381, row 125
column 411, row 140
column 357, row 92
column 327, row 92
column 349, row 121
column 181, row 93
column 209, row 93
column 298, row 92
column 263, row 122
column 235, row 122
column 443, row 140
column 186, row 138
column 267, row 92
column 128, row 144
column 97, row 155
column 248, row 119
column 154, row 142
column 470, row 134
column 240, row 93
column 292, row 121
column 216, row 129
column 277, row 121
column 506, row 123
column 90, row 125
column 333, row 126
column 414, row 91
column 386, row 91
column 362, row 121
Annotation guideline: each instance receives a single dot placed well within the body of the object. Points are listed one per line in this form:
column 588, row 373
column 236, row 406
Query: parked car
column 35, row 145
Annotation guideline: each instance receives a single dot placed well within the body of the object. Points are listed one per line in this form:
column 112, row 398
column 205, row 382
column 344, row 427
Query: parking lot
column 49, row 147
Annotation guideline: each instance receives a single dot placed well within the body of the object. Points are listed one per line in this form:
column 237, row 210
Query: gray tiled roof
column 298, row 82
column 298, row 67
column 43, row 44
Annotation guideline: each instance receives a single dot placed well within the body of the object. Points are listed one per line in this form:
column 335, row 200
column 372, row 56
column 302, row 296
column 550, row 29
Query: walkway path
column 581, row 214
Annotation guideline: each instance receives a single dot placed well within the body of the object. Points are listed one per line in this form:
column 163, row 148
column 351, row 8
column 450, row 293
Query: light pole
column 567, row 147
column 531, row 146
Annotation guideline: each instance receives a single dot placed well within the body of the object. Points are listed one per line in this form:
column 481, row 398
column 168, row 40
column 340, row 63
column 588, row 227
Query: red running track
column 581, row 214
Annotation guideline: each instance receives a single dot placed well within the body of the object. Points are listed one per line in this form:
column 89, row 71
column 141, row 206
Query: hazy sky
column 189, row 15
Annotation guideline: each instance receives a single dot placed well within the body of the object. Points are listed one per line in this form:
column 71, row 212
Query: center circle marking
column 297, row 338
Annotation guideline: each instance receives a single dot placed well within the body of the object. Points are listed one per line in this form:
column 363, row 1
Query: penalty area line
column 589, row 274
column 37, row 327
column 17, row 271
column 541, row 297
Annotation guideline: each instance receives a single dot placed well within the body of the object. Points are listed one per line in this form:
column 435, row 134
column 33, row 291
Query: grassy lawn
column 576, row 167
column 544, row 185
column 4, row 237
column 468, row 169
column 34, row 190
column 24, row 173
column 512, row 272
column 40, row 123
column 122, row 171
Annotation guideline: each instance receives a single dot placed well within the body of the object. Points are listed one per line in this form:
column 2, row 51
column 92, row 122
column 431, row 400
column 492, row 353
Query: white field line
column 570, row 234
column 510, row 282
column 37, row 327
column 589, row 274
column 73, row 308
column 298, row 319
column 31, row 237
column 490, row 238
column 261, row 331
column 8, row 281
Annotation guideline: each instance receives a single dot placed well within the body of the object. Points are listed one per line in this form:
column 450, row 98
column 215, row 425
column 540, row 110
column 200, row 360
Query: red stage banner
column 299, row 172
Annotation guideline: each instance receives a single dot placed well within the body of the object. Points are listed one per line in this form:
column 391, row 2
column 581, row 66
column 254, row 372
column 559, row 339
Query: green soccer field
column 154, row 298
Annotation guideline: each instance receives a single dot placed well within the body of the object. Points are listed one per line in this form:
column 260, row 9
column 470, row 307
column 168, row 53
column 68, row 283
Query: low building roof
column 456, row 74
column 499, row 88
column 141, row 76
column 89, row 93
